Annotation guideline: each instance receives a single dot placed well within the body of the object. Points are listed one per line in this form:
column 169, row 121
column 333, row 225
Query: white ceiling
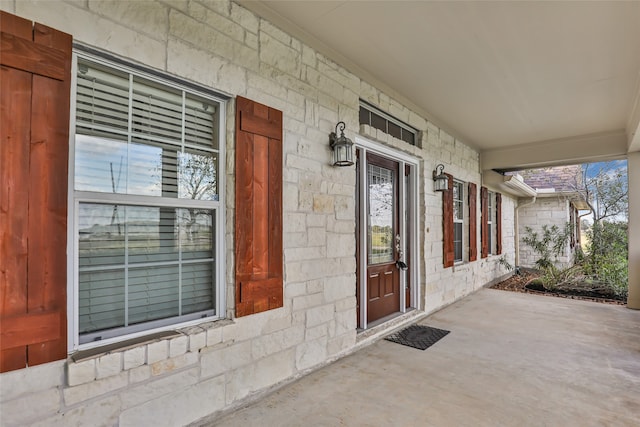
column 495, row 74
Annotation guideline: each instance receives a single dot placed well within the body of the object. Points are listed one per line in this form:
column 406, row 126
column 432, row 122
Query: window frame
column 75, row 198
column 491, row 216
column 389, row 119
column 462, row 199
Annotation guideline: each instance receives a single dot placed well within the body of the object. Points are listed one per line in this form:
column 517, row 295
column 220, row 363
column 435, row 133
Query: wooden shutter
column 258, row 208
column 484, row 227
column 473, row 241
column 498, row 223
column 447, row 224
column 34, row 148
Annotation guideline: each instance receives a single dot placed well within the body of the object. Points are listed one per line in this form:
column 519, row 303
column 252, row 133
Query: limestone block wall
column 548, row 211
column 215, row 365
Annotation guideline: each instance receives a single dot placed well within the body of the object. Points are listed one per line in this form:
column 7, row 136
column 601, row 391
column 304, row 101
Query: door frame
column 408, row 200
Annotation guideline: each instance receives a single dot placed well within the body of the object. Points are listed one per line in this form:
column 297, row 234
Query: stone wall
column 548, row 211
column 216, row 365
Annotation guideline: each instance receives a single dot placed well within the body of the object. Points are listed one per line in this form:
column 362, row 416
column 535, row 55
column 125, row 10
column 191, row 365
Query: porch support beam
column 566, row 151
column 633, row 168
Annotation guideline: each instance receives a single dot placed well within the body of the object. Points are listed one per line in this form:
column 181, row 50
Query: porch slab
column 511, row 359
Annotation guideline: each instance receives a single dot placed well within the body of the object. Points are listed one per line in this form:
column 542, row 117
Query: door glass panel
column 380, row 215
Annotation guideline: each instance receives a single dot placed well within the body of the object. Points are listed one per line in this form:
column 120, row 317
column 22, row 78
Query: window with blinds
column 146, row 190
column 458, row 220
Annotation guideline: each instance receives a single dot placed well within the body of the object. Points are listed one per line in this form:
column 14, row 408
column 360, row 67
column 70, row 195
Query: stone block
column 245, row 18
column 214, row 336
column 193, row 63
column 134, row 357
column 105, row 410
column 318, row 315
column 279, row 55
column 323, row 203
column 215, row 20
column 150, row 18
column 108, row 365
column 292, row 290
column 77, row 394
column 341, row 343
column 32, row 379
column 316, row 332
column 174, row 363
column 256, row 81
column 299, row 254
column 157, row 351
column 141, row 373
column 110, row 35
column 294, row 222
column 198, row 340
column 277, row 323
column 81, row 372
column 29, row 407
column 219, row 361
column 264, row 373
column 267, row 344
column 304, row 302
column 340, row 245
column 311, row 353
column 181, row 407
column 317, row 236
column 339, row 288
column 346, row 304
column 178, row 346
column 345, row 208
column 302, row 163
column 137, row 395
column 274, row 32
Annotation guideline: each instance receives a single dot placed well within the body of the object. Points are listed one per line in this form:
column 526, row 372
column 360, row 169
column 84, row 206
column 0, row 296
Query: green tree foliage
column 607, row 258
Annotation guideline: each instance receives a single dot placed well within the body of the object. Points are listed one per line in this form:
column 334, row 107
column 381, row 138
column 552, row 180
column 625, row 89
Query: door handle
column 401, row 265
column 398, row 247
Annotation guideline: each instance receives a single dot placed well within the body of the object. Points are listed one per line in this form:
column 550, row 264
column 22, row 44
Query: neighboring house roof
column 565, row 179
column 560, row 179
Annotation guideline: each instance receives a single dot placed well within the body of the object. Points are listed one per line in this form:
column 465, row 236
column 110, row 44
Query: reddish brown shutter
column 447, row 224
column 498, row 223
column 258, row 225
column 484, row 227
column 473, row 241
column 34, row 142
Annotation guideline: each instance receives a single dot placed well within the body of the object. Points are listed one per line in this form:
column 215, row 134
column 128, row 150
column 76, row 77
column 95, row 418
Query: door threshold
column 387, row 323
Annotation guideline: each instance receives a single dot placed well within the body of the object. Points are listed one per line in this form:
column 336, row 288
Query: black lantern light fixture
column 441, row 180
column 341, row 147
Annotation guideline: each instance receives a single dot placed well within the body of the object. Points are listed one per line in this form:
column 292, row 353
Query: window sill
column 90, row 353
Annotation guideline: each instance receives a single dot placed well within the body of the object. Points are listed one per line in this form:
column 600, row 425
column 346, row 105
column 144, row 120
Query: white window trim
column 74, row 198
column 409, row 200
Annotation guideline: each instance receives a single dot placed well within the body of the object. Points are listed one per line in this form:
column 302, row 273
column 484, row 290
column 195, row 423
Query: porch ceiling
column 502, row 76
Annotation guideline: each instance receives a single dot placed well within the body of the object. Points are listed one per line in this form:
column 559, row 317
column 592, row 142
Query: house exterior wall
column 547, row 211
column 214, row 365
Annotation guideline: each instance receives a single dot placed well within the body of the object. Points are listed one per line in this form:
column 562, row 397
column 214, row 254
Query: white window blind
column 143, row 263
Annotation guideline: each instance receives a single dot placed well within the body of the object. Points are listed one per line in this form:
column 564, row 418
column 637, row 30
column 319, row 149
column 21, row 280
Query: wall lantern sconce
column 441, row 180
column 341, row 147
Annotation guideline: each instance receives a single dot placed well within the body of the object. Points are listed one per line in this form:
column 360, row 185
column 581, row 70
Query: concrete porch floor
column 510, row 360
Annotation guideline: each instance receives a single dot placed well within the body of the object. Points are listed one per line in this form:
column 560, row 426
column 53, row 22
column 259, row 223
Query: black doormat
column 417, row 336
